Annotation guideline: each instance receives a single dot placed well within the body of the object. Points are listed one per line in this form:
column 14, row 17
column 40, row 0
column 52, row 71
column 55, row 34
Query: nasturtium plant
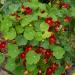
column 37, row 37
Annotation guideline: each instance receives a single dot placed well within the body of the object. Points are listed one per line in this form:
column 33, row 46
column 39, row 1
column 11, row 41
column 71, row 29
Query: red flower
column 57, row 23
column 57, row 28
column 41, row 50
column 28, row 10
column 49, row 21
column 2, row 44
column 49, row 71
column 22, row 55
column 48, row 53
column 52, row 39
column 67, row 19
column 65, row 5
column 54, row 66
column 28, row 48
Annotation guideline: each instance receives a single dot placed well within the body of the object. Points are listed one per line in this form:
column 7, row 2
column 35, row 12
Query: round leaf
column 58, row 52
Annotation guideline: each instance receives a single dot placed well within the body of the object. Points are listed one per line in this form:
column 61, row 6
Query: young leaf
column 27, row 19
column 44, row 26
column 38, row 36
column 19, row 29
column 19, row 70
column 30, row 67
column 10, row 66
column 32, row 58
column 20, row 40
column 11, row 34
column 13, row 50
column 29, row 33
column 58, row 52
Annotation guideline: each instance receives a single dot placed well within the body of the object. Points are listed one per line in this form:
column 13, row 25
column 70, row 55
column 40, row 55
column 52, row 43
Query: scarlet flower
column 57, row 23
column 49, row 21
column 49, row 71
column 22, row 55
column 67, row 19
column 28, row 10
column 65, row 5
column 52, row 39
column 48, row 53
column 28, row 48
column 2, row 44
column 54, row 66
column 57, row 28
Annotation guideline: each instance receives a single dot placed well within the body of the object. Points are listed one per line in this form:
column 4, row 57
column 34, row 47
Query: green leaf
column 1, row 58
column 38, row 36
column 37, row 26
column 27, row 19
column 10, row 66
column 13, row 50
column 29, row 33
column 32, row 58
column 55, row 18
column 45, row 44
column 13, row 7
column 59, row 70
column 73, row 11
column 19, row 29
column 34, row 42
column 58, row 52
column 35, row 72
column 20, row 40
column 43, row 14
column 5, row 24
column 30, row 67
column 46, row 34
column 44, row 26
column 11, row 34
column 19, row 70
column 33, row 5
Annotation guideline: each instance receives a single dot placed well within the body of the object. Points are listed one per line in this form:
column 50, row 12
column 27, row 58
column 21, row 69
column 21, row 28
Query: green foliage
column 44, row 26
column 20, row 40
column 31, row 67
column 6, row 21
column 19, row 29
column 11, row 34
column 58, row 52
column 31, row 29
column 19, row 70
column 38, row 36
column 28, row 19
column 59, row 71
column 13, row 50
column 29, row 33
column 10, row 66
column 32, row 58
column 1, row 58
